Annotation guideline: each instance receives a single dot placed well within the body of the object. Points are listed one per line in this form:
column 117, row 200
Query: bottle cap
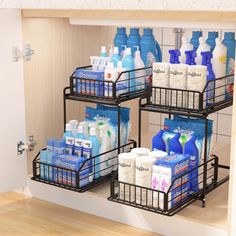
column 197, row 33
column 116, row 50
column 121, row 30
column 128, row 51
column 229, row 35
column 206, row 58
column 80, row 129
column 134, row 30
column 174, row 56
column 147, row 31
column 103, row 49
column 190, row 57
column 184, row 40
column 93, row 131
column 68, row 127
column 212, row 34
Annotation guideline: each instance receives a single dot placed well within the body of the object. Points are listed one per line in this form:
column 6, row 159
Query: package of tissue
column 72, row 164
column 89, row 82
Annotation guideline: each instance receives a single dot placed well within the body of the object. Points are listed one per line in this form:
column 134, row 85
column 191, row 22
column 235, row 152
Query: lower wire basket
column 183, row 191
column 92, row 172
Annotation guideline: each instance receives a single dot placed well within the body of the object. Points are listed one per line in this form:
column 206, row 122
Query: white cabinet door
column 13, row 167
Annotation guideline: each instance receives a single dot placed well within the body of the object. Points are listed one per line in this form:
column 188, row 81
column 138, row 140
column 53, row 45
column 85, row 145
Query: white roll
column 143, row 178
column 160, row 78
column 140, row 151
column 126, row 173
column 178, row 80
column 157, row 154
column 196, row 80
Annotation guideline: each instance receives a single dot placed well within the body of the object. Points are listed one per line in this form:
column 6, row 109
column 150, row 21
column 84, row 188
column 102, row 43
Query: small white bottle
column 203, row 47
column 140, row 78
column 186, row 46
column 219, row 67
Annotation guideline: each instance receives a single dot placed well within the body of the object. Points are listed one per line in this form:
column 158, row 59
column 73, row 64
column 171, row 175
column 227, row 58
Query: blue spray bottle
column 79, row 142
column 211, row 40
column 158, row 142
column 210, row 90
column 191, row 149
column 190, row 57
column 174, row 56
column 69, row 140
column 128, row 63
column 133, row 39
column 175, row 145
column 120, row 38
column 195, row 39
column 150, row 49
column 115, row 57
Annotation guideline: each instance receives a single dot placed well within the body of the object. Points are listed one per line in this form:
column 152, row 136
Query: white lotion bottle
column 186, row 46
column 219, row 67
column 203, row 47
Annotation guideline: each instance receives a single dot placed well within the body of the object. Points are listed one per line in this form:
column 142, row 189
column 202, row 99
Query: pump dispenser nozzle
column 190, row 57
column 174, row 56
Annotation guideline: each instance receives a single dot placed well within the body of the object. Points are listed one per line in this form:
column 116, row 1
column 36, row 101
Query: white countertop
column 158, row 5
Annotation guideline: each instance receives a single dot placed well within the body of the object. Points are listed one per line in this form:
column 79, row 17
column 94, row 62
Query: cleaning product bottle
column 212, row 35
column 103, row 51
column 110, row 74
column 158, row 142
column 85, row 128
column 190, row 57
column 133, row 39
column 73, row 126
column 79, row 142
column 150, row 49
column 219, row 68
column 186, row 46
column 203, row 47
column 175, row 145
column 116, row 57
column 120, row 38
column 140, row 78
column 229, row 42
column 123, row 52
column 128, row 63
column 69, row 140
column 104, row 159
column 195, row 39
column 122, row 84
column 210, row 90
column 111, row 51
column 191, row 149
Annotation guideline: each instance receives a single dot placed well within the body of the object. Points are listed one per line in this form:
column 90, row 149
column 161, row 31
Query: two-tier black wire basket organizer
column 128, row 85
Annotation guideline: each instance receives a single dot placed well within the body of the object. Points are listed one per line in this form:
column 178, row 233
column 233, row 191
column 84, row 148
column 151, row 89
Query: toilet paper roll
column 196, row 80
column 178, row 80
column 140, row 151
column 143, row 178
column 160, row 78
column 157, row 154
column 126, row 173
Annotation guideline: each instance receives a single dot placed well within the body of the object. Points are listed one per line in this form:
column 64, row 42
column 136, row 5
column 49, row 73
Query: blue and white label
column 87, row 153
column 78, row 149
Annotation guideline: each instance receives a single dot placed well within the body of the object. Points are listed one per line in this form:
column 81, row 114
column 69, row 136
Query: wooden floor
column 24, row 216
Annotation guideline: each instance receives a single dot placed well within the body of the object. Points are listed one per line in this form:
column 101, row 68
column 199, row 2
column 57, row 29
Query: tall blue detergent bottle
column 128, row 63
column 150, row 49
column 79, row 142
column 210, row 90
column 175, row 145
column 229, row 42
column 120, row 38
column 195, row 39
column 191, row 149
column 211, row 40
column 158, row 142
column 69, row 140
column 133, row 39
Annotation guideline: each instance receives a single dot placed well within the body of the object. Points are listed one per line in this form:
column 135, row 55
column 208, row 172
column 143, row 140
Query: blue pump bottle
column 133, row 39
column 158, row 142
column 191, row 149
column 195, row 39
column 115, row 57
column 210, row 94
column 211, row 40
column 120, row 38
column 174, row 56
column 190, row 57
column 175, row 145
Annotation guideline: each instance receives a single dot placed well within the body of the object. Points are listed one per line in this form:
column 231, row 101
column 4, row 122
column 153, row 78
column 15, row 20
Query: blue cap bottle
column 133, row 39
column 174, row 56
column 191, row 149
column 211, row 40
column 158, row 142
column 195, row 39
column 210, row 90
column 175, row 145
column 190, row 57
column 120, row 38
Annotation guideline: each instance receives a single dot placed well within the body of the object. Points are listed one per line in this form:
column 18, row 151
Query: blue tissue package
column 59, row 146
column 50, row 145
column 73, row 164
column 89, row 82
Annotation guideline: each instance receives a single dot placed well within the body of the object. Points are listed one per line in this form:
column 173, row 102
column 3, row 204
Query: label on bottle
column 79, row 142
column 150, row 59
column 70, row 140
column 87, row 152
